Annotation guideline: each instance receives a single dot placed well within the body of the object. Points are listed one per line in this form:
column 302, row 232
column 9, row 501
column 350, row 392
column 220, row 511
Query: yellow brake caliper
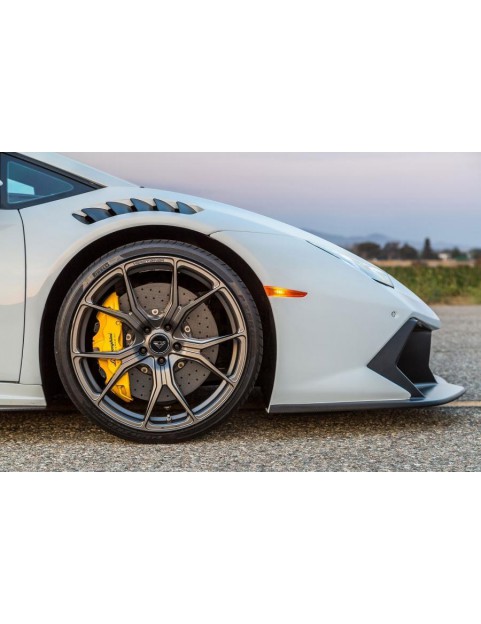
column 109, row 337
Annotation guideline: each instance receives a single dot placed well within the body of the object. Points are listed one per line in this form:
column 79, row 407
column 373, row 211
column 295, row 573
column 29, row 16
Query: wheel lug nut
column 168, row 328
column 161, row 360
column 177, row 347
column 143, row 350
column 147, row 330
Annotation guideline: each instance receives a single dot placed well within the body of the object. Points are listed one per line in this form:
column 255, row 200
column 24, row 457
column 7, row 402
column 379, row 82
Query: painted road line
column 464, row 404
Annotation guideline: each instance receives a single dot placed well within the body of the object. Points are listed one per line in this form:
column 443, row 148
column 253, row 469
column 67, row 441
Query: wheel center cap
column 159, row 344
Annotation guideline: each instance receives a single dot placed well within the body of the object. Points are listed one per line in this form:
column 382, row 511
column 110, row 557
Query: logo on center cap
column 159, row 344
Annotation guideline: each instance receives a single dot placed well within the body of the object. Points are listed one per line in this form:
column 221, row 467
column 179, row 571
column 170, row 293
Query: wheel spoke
column 205, row 343
column 158, row 383
column 174, row 388
column 173, row 304
column 184, row 310
column 119, row 373
column 121, row 355
column 135, row 308
column 125, row 317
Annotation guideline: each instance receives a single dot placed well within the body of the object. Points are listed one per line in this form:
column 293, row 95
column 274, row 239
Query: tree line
column 397, row 251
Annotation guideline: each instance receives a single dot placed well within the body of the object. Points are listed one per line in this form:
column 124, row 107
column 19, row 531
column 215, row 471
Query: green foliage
column 441, row 284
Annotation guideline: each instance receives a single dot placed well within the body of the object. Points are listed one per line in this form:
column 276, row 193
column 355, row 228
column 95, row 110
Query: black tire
column 232, row 303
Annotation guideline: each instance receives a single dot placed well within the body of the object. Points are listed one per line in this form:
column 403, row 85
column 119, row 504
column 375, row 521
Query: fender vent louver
column 94, row 215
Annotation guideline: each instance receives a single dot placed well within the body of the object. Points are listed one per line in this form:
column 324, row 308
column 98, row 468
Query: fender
column 54, row 236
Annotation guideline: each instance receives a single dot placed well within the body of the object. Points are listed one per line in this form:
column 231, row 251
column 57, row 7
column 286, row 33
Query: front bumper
column 404, row 360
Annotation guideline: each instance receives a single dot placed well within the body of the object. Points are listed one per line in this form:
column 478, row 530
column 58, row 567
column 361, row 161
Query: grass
column 450, row 285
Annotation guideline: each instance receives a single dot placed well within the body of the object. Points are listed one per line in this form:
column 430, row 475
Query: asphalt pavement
column 436, row 439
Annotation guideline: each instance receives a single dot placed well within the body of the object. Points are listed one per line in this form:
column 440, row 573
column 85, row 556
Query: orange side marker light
column 276, row 291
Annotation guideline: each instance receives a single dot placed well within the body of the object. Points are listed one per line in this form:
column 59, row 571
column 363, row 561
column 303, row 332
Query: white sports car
column 158, row 312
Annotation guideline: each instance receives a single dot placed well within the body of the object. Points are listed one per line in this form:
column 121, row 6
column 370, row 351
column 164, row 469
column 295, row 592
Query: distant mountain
column 348, row 242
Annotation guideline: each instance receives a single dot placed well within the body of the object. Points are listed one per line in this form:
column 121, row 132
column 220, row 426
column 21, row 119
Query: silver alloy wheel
column 162, row 343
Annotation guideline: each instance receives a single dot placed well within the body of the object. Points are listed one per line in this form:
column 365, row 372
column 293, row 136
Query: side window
column 26, row 184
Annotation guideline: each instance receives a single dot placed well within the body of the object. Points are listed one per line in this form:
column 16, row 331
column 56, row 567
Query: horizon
column 403, row 196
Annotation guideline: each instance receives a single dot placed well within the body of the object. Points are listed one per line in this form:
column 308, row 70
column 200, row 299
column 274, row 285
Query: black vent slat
column 185, row 208
column 118, row 209
column 163, row 206
column 83, row 219
column 96, row 214
column 141, row 206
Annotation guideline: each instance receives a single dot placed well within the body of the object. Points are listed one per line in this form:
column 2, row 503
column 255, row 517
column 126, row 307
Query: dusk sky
column 406, row 196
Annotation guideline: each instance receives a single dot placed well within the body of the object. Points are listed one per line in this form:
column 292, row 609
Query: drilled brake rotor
column 156, row 296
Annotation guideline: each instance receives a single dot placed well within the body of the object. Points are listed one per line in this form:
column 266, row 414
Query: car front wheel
column 158, row 341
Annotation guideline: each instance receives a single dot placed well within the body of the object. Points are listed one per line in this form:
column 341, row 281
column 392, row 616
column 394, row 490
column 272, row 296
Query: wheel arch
column 50, row 378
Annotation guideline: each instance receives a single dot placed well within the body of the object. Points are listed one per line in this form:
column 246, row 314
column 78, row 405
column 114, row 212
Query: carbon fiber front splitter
column 434, row 394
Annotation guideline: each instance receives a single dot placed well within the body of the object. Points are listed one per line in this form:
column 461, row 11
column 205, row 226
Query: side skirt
column 15, row 396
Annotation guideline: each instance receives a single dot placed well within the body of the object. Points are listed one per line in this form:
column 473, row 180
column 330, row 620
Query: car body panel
column 325, row 341
column 12, row 294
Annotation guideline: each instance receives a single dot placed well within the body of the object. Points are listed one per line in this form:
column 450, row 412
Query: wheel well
column 50, row 378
